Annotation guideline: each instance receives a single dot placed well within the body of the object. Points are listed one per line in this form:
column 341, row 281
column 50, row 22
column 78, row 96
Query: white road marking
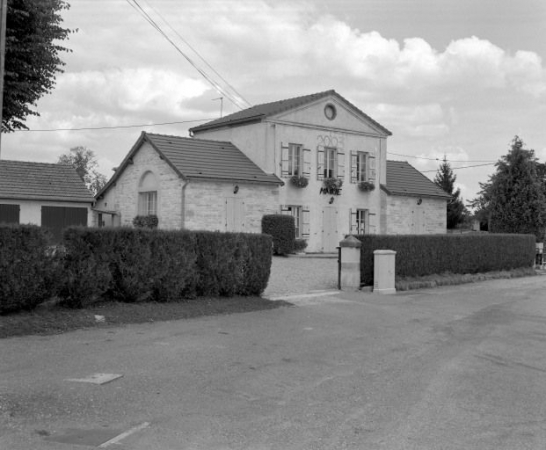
column 124, row 435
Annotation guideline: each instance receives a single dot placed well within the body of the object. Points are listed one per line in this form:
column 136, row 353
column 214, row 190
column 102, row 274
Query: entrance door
column 330, row 237
column 235, row 214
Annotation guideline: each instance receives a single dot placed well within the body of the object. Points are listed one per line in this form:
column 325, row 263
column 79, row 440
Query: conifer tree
column 445, row 179
column 514, row 198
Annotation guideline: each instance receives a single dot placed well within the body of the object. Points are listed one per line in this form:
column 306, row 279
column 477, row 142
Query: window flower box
column 366, row 186
column 299, row 181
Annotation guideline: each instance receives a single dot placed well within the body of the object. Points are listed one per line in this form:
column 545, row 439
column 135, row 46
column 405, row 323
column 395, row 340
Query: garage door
column 57, row 218
column 9, row 213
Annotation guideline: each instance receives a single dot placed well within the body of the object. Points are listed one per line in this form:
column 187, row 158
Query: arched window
column 147, row 194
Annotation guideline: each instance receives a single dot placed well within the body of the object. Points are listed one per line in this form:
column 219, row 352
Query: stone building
column 317, row 157
column 188, row 183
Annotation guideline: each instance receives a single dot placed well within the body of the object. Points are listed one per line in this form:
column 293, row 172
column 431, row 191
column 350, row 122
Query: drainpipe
column 183, row 204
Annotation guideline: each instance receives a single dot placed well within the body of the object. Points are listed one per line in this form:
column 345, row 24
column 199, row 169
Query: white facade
column 322, row 218
column 30, row 212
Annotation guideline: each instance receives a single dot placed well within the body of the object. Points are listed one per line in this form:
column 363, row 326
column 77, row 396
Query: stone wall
column 406, row 216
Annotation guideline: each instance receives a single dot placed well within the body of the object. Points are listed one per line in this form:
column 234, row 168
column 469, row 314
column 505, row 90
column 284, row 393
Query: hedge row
column 131, row 265
column 433, row 254
column 26, row 268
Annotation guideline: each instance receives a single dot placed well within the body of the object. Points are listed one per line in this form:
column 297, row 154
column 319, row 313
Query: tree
column 32, row 60
column 445, row 179
column 514, row 198
column 85, row 163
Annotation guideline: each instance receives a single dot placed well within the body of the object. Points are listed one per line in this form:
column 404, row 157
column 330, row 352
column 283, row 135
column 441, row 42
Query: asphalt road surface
column 462, row 367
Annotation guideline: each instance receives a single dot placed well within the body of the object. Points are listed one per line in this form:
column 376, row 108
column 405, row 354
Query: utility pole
column 3, row 15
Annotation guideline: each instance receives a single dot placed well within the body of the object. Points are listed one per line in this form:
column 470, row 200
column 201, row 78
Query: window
column 294, row 160
column 359, row 221
column 330, row 163
column 147, row 195
column 148, row 203
column 301, row 219
column 362, row 167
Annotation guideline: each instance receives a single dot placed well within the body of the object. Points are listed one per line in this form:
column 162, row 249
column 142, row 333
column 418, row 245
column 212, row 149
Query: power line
column 151, row 21
column 115, row 127
column 198, row 54
column 463, row 167
column 438, row 159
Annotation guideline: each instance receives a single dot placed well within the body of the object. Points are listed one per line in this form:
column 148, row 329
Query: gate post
column 383, row 271
column 350, row 264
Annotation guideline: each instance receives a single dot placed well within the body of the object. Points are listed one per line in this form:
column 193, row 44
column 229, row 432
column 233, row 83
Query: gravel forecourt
column 301, row 275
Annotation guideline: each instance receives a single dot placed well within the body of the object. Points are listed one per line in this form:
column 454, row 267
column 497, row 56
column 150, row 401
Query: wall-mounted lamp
column 236, row 189
column 419, row 201
column 331, row 200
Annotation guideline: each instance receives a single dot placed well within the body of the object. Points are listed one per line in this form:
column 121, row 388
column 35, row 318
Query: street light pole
column 3, row 15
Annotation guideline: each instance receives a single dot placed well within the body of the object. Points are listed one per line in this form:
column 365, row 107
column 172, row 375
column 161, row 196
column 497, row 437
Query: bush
column 27, row 269
column 420, row 255
column 283, row 231
column 300, row 245
column 150, row 221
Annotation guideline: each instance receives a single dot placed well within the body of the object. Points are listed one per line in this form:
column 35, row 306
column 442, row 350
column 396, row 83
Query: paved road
column 449, row 368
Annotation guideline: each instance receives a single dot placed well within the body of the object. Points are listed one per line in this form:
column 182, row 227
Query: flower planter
column 299, row 181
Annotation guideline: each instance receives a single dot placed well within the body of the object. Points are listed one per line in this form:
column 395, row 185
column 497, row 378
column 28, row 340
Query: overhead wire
column 237, row 93
column 135, row 4
column 114, row 127
column 439, row 159
column 463, row 167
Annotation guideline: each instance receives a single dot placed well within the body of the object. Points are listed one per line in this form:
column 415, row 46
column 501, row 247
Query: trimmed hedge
column 132, row 265
column 283, row 230
column 26, row 267
column 420, row 255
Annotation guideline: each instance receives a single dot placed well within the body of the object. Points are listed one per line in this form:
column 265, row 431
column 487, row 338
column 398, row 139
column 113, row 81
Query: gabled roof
column 260, row 112
column 404, row 179
column 200, row 159
column 22, row 180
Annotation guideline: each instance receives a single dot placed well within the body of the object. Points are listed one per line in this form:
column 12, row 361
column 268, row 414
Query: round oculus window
column 330, row 112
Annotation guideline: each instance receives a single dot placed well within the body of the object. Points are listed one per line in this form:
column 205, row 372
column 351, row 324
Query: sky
column 453, row 78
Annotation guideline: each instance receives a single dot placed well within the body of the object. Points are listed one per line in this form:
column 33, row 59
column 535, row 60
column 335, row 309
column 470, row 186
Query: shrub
column 26, row 268
column 300, row 245
column 283, row 231
column 151, row 221
column 422, row 255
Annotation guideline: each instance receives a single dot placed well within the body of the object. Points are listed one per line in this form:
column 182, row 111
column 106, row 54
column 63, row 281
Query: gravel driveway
column 300, row 275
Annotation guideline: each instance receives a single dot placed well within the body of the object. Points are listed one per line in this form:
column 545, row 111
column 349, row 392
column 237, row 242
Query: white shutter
column 285, row 209
column 340, row 165
column 354, row 159
column 320, row 162
column 371, row 168
column 285, row 160
column 352, row 221
column 305, row 222
column 370, row 223
column 306, row 162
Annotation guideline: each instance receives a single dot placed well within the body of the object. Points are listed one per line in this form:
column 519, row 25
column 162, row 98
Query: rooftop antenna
column 221, row 105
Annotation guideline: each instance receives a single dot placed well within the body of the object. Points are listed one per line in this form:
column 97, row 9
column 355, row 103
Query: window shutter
column 352, row 221
column 285, row 163
column 354, row 158
column 370, row 222
column 305, row 222
column 306, row 162
column 340, row 165
column 371, row 168
column 320, row 162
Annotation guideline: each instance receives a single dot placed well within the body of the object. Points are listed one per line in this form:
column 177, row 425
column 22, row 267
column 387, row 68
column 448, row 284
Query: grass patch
column 54, row 319
column 449, row 279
